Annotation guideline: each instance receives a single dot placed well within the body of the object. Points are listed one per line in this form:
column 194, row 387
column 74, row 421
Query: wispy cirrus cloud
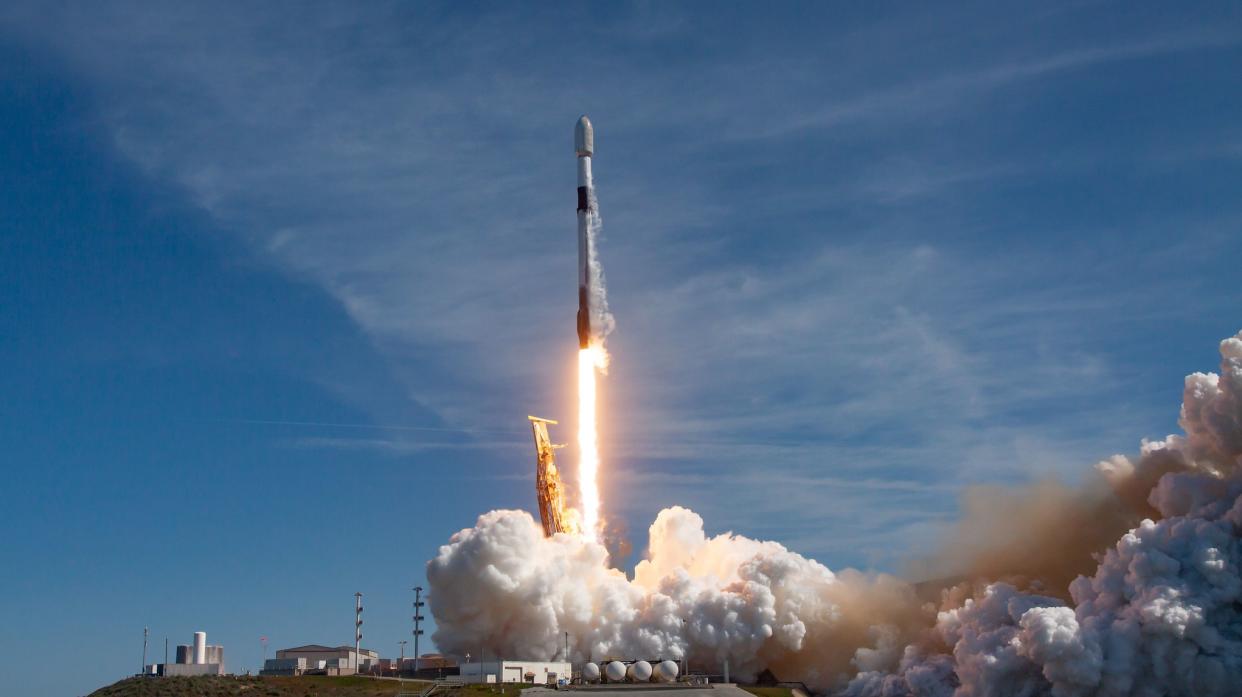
column 803, row 269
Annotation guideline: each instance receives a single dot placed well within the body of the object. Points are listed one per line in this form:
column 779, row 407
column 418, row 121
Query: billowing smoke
column 1161, row 613
column 505, row 588
column 1129, row 586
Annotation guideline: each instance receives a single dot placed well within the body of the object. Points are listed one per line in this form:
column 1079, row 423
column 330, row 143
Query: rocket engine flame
column 590, row 360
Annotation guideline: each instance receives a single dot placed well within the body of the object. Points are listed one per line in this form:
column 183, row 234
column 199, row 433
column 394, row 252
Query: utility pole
column 357, row 630
column 146, row 631
column 685, row 657
column 165, row 654
column 418, row 621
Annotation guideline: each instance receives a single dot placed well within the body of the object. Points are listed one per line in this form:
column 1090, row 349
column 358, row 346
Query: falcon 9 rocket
column 584, row 146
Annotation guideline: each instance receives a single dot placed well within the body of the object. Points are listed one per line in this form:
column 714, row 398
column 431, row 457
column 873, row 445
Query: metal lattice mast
column 418, row 621
column 357, row 630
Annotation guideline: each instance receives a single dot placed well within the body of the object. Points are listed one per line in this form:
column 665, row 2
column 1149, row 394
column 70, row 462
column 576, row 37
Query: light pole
column 401, row 661
column 685, row 656
column 146, row 631
column 418, row 620
column 357, row 629
column 467, row 659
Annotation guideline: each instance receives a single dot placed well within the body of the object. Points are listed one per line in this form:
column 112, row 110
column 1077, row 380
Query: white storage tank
column 590, row 672
column 615, row 671
column 200, row 648
column 666, row 671
column 640, row 671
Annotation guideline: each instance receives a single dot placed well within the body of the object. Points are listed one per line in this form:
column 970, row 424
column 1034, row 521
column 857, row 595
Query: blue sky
column 283, row 281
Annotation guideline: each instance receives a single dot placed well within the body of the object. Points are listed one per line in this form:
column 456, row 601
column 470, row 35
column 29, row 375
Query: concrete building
column 284, row 666
column 538, row 672
column 198, row 658
column 212, row 654
column 431, row 666
column 312, row 658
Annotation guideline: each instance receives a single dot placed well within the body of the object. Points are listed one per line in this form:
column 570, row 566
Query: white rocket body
column 584, row 147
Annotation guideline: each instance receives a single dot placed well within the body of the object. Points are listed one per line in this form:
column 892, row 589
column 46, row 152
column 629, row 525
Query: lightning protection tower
column 357, row 630
column 418, row 620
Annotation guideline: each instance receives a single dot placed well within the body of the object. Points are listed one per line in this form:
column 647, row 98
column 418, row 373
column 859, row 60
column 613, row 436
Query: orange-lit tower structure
column 549, row 489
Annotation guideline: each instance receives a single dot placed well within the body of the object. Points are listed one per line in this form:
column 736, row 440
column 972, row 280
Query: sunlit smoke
column 590, row 360
column 1156, row 611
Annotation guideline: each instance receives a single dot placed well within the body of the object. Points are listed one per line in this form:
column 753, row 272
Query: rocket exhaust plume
column 594, row 323
column 1157, row 611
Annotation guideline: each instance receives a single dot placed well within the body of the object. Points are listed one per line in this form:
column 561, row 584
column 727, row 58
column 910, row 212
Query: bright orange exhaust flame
column 590, row 360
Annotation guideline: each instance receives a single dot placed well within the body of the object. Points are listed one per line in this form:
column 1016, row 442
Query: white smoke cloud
column 1160, row 614
column 503, row 586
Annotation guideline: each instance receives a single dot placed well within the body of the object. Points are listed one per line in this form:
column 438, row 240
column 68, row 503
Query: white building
column 193, row 659
column 340, row 660
column 537, row 672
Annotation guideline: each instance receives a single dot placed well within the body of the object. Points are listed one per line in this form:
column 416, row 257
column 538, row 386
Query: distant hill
column 230, row 686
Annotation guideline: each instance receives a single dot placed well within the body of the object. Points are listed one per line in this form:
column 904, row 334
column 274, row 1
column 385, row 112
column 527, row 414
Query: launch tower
column 548, row 486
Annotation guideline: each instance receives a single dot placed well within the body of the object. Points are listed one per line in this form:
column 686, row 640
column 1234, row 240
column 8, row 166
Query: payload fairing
column 584, row 146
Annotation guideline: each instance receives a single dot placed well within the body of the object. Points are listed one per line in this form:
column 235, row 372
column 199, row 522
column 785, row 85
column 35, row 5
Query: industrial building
column 538, row 672
column 316, row 658
column 197, row 658
column 430, row 666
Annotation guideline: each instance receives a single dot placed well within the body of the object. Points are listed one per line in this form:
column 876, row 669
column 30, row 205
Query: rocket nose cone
column 584, row 137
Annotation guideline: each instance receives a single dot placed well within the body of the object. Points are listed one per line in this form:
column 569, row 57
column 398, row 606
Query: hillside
column 230, row 686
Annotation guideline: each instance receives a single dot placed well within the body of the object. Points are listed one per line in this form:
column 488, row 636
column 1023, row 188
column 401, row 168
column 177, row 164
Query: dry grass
column 230, row 686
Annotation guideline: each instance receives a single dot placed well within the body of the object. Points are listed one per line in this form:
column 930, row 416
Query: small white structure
column 200, row 648
column 537, row 672
column 615, row 671
column 197, row 658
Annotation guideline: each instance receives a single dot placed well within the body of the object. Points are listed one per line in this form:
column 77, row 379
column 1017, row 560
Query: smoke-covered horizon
column 1126, row 585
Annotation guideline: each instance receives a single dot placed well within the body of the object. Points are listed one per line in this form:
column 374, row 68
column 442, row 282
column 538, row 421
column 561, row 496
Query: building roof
column 320, row 647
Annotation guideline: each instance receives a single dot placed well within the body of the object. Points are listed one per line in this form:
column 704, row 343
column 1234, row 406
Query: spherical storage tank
column 640, row 671
column 666, row 671
column 615, row 671
column 590, row 672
